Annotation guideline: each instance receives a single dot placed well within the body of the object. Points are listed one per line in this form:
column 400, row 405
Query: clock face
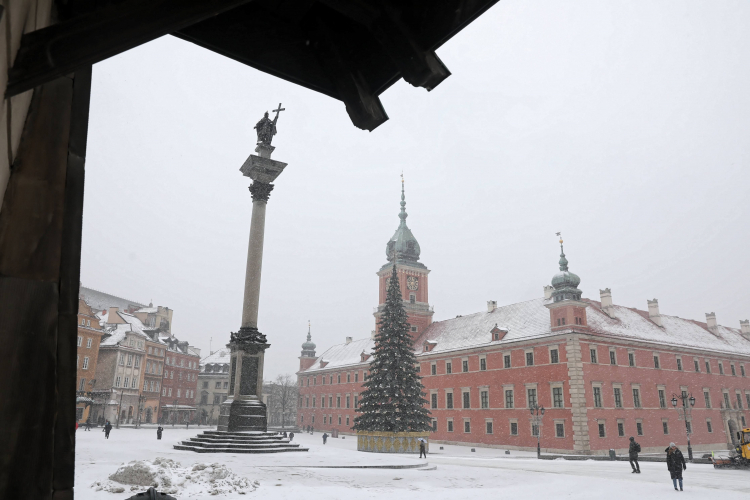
column 412, row 282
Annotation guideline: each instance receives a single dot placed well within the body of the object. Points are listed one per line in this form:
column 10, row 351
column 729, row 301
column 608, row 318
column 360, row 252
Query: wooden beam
column 362, row 104
column 62, row 48
column 384, row 20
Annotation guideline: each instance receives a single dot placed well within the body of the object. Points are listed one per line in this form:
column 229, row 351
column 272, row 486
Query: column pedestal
column 244, row 409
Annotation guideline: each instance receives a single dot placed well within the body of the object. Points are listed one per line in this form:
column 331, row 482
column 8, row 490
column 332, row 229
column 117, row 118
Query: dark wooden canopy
column 351, row 50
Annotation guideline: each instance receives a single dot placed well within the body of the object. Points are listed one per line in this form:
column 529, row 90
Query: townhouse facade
column 180, row 381
column 602, row 372
column 213, row 385
column 89, row 337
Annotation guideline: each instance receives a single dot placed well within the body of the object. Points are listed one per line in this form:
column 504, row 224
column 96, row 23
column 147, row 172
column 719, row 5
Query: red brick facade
column 602, row 372
column 180, row 383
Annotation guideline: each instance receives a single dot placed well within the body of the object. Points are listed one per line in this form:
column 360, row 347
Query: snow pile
column 168, row 476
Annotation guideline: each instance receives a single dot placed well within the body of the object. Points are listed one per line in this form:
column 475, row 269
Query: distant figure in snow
column 422, row 447
column 285, row 436
column 107, row 428
column 159, row 430
column 675, row 464
column 312, row 429
column 88, row 424
column 325, row 437
column 291, row 436
column 633, row 451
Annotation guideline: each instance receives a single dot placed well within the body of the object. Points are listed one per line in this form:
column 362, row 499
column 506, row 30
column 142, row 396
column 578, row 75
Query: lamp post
column 174, row 411
column 536, row 421
column 141, row 400
column 119, row 410
column 688, row 401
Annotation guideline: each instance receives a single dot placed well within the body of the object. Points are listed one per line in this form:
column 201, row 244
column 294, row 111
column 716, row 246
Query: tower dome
column 565, row 283
column 308, row 347
column 403, row 246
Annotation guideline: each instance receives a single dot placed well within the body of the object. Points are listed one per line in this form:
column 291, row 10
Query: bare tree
column 282, row 400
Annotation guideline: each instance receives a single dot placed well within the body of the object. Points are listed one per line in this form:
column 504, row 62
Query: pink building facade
column 603, row 372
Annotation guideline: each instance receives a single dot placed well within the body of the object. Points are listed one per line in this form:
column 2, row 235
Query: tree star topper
column 266, row 128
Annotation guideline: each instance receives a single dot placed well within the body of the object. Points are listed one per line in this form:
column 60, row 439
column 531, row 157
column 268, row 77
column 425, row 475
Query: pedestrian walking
column 676, row 464
column 107, row 428
column 88, row 424
column 159, row 430
column 325, row 437
column 422, row 447
column 291, row 436
column 285, row 436
column 312, row 429
column 633, row 452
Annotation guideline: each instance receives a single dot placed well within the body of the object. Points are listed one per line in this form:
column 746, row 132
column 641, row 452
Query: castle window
column 593, row 356
column 412, row 298
column 506, row 361
column 529, row 359
column 482, row 364
column 554, row 356
column 413, row 328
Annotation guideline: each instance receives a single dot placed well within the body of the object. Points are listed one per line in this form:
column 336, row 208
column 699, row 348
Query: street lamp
column 688, row 401
column 141, row 400
column 536, row 421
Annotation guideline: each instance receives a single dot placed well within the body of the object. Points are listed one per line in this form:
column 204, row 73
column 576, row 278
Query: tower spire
column 563, row 260
column 403, row 215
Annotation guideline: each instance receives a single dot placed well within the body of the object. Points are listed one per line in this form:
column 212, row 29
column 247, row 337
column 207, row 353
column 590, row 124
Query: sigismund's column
column 244, row 409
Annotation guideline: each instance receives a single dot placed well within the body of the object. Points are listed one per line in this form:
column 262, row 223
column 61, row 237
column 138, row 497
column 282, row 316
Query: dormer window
column 364, row 356
column 497, row 333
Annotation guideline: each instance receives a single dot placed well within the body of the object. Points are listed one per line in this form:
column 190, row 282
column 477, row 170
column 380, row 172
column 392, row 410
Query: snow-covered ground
column 459, row 473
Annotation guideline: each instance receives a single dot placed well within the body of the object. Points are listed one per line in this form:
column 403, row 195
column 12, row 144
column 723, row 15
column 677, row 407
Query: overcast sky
column 622, row 124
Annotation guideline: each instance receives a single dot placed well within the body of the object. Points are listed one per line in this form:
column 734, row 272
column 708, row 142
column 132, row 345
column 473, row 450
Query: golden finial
column 560, row 235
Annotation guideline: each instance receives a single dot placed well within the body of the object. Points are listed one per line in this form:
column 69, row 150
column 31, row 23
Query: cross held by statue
column 279, row 110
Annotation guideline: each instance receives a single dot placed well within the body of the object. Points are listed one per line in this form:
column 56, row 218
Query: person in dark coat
column 159, row 430
column 676, row 464
column 88, row 424
column 285, row 436
column 107, row 428
column 325, row 437
column 291, row 436
column 422, row 447
column 633, row 451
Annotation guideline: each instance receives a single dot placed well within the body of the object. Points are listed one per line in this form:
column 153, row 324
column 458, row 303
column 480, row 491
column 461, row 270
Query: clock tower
column 403, row 251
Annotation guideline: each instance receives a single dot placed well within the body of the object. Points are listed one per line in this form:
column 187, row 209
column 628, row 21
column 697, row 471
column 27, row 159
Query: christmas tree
column 394, row 397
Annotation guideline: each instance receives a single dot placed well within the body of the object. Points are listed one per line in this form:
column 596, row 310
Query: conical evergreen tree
column 394, row 397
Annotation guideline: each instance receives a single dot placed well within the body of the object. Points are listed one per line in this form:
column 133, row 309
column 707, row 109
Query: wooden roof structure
column 350, row 50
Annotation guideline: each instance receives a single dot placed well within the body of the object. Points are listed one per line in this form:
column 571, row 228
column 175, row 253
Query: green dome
column 308, row 347
column 403, row 245
column 565, row 283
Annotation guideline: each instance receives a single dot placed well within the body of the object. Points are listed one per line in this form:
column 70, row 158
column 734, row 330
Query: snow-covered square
column 337, row 470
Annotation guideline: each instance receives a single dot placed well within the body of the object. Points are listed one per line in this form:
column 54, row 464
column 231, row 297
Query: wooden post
column 40, row 253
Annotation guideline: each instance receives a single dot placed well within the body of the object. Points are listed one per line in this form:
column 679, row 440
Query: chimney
column 606, row 298
column 548, row 291
column 491, row 305
column 711, row 322
column 745, row 328
column 348, row 340
column 653, row 312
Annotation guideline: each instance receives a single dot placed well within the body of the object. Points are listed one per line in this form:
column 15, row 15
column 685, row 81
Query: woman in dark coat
column 675, row 464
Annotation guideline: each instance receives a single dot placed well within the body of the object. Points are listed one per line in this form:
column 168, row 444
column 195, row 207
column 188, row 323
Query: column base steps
column 238, row 442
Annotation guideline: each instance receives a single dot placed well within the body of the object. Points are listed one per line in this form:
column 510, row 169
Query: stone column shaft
column 254, row 265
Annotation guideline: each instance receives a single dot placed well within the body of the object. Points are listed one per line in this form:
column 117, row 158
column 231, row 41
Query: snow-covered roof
column 118, row 331
column 220, row 357
column 148, row 310
column 531, row 319
column 101, row 301
column 343, row 355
